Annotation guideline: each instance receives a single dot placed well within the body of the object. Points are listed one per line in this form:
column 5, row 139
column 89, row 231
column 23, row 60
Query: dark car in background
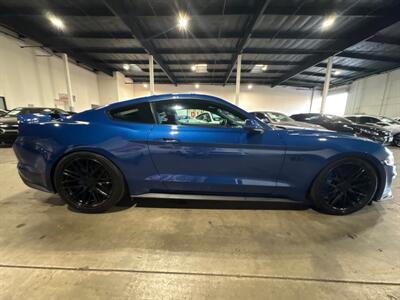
column 385, row 123
column 280, row 119
column 9, row 121
column 344, row 125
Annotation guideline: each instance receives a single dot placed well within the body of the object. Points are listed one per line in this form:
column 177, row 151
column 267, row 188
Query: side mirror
column 253, row 126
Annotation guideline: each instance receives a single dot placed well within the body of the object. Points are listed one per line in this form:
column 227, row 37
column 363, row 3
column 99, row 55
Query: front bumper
column 8, row 135
column 391, row 173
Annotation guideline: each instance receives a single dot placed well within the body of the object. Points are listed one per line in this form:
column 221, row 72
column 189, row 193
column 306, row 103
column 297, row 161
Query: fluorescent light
column 328, row 22
column 337, row 72
column 259, row 68
column 55, row 21
column 183, row 21
column 250, row 86
column 126, row 67
column 199, row 68
column 145, row 85
column 197, row 85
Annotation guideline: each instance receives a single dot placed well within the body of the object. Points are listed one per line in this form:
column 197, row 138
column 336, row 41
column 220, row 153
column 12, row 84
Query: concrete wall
column 378, row 95
column 287, row 100
column 29, row 78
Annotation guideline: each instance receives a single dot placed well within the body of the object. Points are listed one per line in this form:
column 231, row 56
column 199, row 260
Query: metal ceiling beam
column 385, row 40
column 197, row 50
column 123, row 9
column 191, row 62
column 248, row 30
column 367, row 10
column 365, row 74
column 363, row 31
column 367, row 56
column 345, row 67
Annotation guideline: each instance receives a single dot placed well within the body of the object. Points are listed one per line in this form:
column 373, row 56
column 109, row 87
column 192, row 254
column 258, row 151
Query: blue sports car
column 156, row 146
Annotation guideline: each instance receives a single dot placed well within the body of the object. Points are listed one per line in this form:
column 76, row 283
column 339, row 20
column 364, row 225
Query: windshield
column 278, row 117
column 338, row 119
column 13, row 113
column 389, row 121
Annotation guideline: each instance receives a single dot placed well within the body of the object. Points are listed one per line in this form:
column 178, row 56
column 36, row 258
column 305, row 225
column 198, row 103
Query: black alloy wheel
column 89, row 182
column 345, row 186
column 396, row 140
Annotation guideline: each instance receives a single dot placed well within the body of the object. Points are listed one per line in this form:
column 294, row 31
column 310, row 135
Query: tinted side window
column 368, row 120
column 186, row 112
column 138, row 113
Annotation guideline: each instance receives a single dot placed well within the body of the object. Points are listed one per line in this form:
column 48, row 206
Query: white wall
column 29, row 79
column 378, row 95
column 287, row 100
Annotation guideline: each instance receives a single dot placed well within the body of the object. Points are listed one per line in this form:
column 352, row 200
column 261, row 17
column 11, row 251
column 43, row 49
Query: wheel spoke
column 87, row 182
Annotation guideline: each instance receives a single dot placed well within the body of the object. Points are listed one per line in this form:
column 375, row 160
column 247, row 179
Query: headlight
column 389, row 161
column 3, row 125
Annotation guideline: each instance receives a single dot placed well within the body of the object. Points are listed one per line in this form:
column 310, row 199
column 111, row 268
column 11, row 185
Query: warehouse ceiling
column 281, row 42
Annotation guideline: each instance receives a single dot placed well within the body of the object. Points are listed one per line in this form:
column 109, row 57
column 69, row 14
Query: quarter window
column 193, row 112
column 138, row 113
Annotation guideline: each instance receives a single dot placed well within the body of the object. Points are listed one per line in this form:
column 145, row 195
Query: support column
column 238, row 69
column 312, row 98
column 151, row 71
column 326, row 83
column 68, row 81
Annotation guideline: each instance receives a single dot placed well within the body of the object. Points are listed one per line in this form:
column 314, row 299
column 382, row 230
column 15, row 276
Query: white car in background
column 387, row 123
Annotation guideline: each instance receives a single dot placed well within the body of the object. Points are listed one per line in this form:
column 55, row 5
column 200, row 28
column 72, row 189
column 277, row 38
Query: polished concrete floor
column 190, row 250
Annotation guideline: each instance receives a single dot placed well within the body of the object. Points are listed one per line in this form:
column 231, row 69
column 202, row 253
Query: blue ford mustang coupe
column 197, row 146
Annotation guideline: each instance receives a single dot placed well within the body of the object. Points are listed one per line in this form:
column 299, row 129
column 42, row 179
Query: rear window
column 138, row 113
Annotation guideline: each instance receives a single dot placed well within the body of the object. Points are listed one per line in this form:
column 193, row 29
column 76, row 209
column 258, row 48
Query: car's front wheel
column 89, row 182
column 344, row 186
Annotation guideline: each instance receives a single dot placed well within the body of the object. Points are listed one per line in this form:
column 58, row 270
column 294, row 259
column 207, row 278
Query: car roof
column 165, row 97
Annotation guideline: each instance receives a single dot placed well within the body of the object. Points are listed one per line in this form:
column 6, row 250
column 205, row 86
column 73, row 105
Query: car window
column 194, row 112
column 137, row 113
column 369, row 120
column 389, row 121
column 353, row 119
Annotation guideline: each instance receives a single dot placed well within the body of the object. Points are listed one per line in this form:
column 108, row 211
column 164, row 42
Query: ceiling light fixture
column 126, row 67
column 250, row 86
column 328, row 22
column 197, row 85
column 259, row 68
column 199, row 68
column 55, row 21
column 183, row 21
column 337, row 72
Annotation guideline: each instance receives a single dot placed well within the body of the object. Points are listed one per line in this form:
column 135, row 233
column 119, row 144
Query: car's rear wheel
column 89, row 182
column 396, row 140
column 344, row 187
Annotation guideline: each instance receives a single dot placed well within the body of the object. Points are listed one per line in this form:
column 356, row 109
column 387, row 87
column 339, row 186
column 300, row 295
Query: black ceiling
column 285, row 35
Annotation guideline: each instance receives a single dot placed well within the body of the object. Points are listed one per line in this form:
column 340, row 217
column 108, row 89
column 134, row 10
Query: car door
column 199, row 157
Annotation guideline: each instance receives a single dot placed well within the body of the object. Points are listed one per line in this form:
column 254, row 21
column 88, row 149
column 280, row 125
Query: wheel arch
column 373, row 161
column 105, row 154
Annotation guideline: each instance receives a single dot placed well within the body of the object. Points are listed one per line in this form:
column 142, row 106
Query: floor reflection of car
column 9, row 122
column 144, row 148
column 280, row 119
column 385, row 123
column 344, row 125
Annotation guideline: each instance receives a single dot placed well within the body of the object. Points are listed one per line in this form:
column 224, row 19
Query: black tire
column 396, row 140
column 89, row 182
column 344, row 186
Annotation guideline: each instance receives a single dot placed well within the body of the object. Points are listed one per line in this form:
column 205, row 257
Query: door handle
column 169, row 140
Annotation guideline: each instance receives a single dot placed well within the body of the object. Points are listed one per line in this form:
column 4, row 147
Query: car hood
column 8, row 120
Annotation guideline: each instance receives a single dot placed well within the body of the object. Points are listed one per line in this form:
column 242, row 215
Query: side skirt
column 209, row 197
